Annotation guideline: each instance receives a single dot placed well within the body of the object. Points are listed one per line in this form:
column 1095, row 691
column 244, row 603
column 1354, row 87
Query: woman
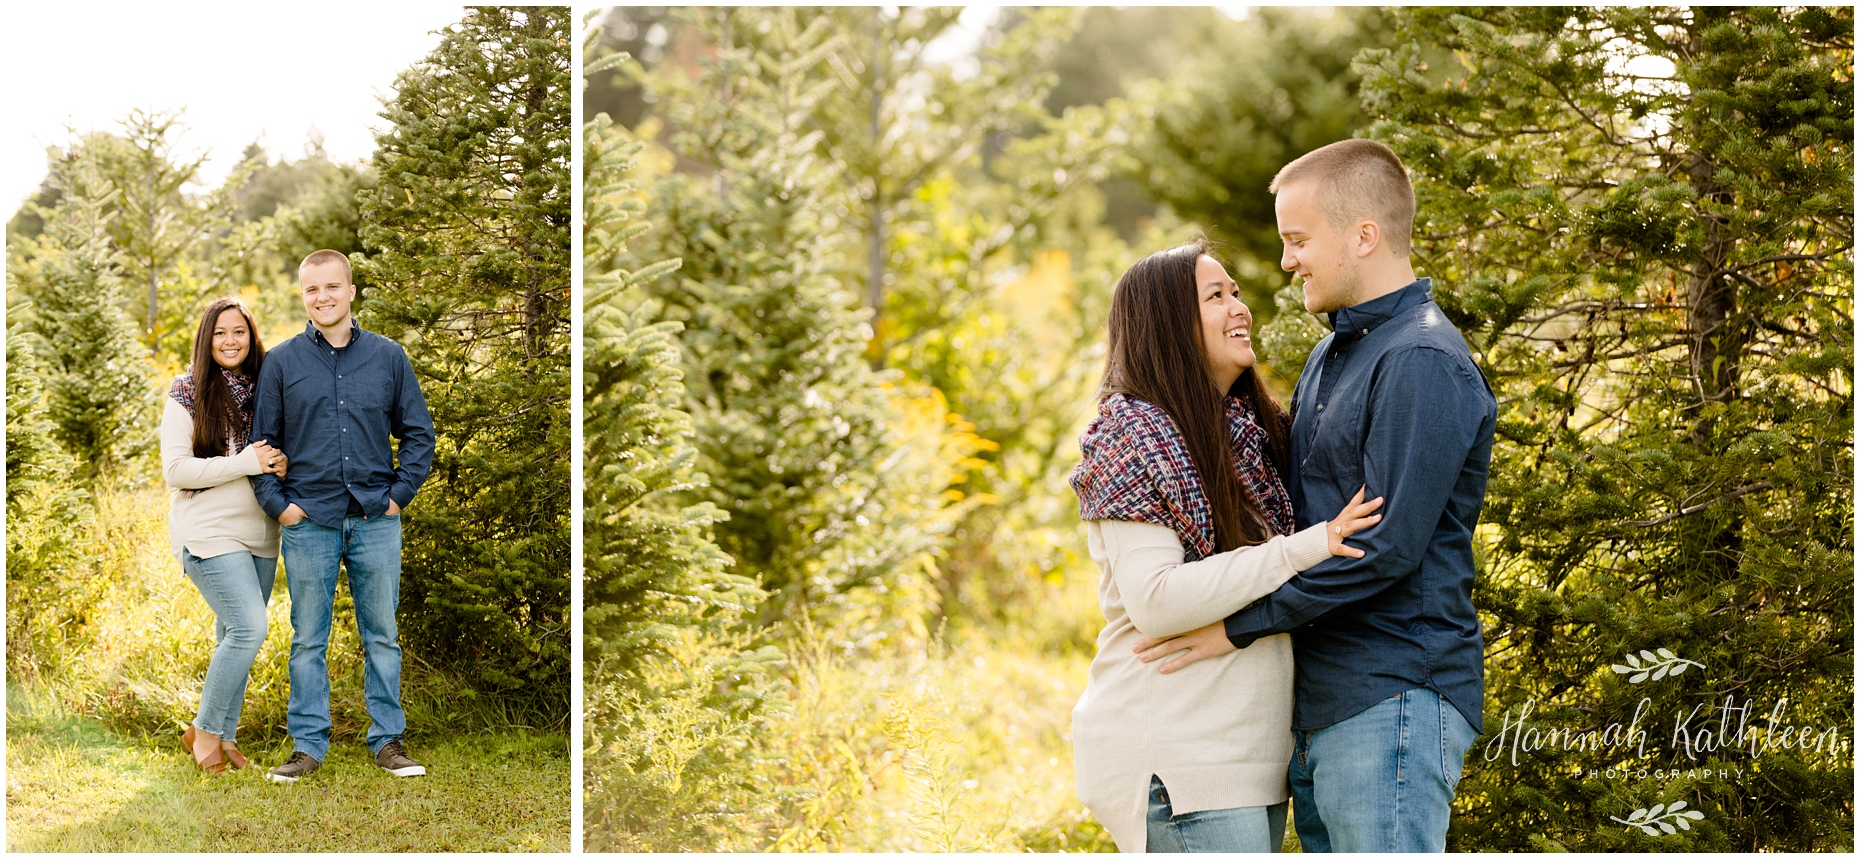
column 226, row 544
column 1189, row 520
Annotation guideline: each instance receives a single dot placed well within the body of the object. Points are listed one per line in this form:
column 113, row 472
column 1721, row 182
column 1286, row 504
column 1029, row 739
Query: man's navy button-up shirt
column 1393, row 400
column 332, row 411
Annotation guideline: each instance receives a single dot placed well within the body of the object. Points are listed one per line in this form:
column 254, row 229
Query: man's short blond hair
column 327, row 255
column 1358, row 179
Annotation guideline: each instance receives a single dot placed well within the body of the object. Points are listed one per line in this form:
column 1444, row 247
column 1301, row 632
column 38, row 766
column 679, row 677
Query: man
column 330, row 398
column 1388, row 656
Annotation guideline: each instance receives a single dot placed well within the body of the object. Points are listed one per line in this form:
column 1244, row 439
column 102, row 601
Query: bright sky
column 242, row 72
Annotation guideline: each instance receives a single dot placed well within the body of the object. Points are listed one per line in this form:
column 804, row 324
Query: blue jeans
column 369, row 548
column 1253, row 829
column 1382, row 780
column 236, row 585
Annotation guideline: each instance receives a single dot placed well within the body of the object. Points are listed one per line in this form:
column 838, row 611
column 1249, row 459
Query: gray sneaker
column 301, row 764
column 393, row 758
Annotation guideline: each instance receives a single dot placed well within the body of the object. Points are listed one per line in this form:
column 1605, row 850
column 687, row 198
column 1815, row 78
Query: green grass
column 98, row 693
column 74, row 785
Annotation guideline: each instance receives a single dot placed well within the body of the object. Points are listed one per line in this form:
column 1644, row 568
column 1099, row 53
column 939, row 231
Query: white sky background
column 243, row 73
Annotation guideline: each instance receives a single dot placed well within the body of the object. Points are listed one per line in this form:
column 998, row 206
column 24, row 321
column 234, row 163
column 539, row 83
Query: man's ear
column 1368, row 236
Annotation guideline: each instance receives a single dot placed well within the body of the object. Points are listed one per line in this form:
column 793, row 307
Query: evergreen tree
column 97, row 388
column 1643, row 219
column 32, row 454
column 29, row 221
column 44, row 510
column 326, row 213
column 312, row 200
column 1225, row 124
column 469, row 236
column 897, row 122
column 1121, row 53
column 160, row 233
column 670, row 705
column 648, row 563
column 1249, row 107
column 944, row 223
column 799, row 439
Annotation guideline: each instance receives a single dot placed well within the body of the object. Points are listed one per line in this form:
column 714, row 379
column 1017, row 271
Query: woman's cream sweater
column 1218, row 732
column 226, row 516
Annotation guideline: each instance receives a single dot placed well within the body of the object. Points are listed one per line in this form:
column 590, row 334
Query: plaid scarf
column 1136, row 468
column 238, row 412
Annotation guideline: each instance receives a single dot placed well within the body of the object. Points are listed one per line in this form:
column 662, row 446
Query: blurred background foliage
column 855, row 321
column 108, row 267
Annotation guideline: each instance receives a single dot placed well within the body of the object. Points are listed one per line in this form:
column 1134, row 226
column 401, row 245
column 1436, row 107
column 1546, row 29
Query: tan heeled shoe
column 233, row 758
column 214, row 761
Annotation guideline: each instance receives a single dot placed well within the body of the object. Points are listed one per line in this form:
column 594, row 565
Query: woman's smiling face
column 232, row 340
column 1226, row 324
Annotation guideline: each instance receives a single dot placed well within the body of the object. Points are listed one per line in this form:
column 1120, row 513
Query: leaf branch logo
column 1653, row 821
column 1653, row 664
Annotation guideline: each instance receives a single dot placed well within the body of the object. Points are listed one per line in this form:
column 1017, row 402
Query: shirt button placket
column 341, row 418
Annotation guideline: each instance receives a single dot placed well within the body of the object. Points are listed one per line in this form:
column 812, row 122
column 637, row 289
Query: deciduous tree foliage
column 468, row 231
column 1643, row 220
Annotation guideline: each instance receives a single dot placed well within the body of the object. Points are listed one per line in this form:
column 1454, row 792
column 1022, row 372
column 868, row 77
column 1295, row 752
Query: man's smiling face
column 1314, row 250
column 327, row 293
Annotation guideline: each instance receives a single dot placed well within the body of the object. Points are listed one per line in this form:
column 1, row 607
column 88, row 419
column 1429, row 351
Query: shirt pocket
column 1337, row 446
column 372, row 395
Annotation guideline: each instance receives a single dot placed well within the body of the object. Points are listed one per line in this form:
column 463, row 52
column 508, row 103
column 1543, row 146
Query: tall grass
column 953, row 741
column 134, row 640
column 957, row 742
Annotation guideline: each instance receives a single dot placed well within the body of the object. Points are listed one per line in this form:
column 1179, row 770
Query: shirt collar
column 1360, row 319
column 355, row 330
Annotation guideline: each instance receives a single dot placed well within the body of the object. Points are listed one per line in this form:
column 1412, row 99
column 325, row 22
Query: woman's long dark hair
column 1157, row 355
column 213, row 400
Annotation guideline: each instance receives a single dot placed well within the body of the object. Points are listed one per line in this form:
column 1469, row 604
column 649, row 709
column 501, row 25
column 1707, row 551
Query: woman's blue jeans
column 1252, row 829
column 237, row 585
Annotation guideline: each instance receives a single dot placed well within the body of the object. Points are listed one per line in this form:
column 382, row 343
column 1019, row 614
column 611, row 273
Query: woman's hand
column 270, row 459
column 1355, row 516
column 1210, row 640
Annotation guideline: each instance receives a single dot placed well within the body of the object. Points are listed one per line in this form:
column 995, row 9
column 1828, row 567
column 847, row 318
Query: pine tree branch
column 1759, row 486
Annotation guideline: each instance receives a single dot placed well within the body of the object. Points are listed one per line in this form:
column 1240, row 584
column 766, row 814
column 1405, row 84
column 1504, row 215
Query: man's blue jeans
column 1251, row 829
column 370, row 550
column 236, row 585
column 1382, row 780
